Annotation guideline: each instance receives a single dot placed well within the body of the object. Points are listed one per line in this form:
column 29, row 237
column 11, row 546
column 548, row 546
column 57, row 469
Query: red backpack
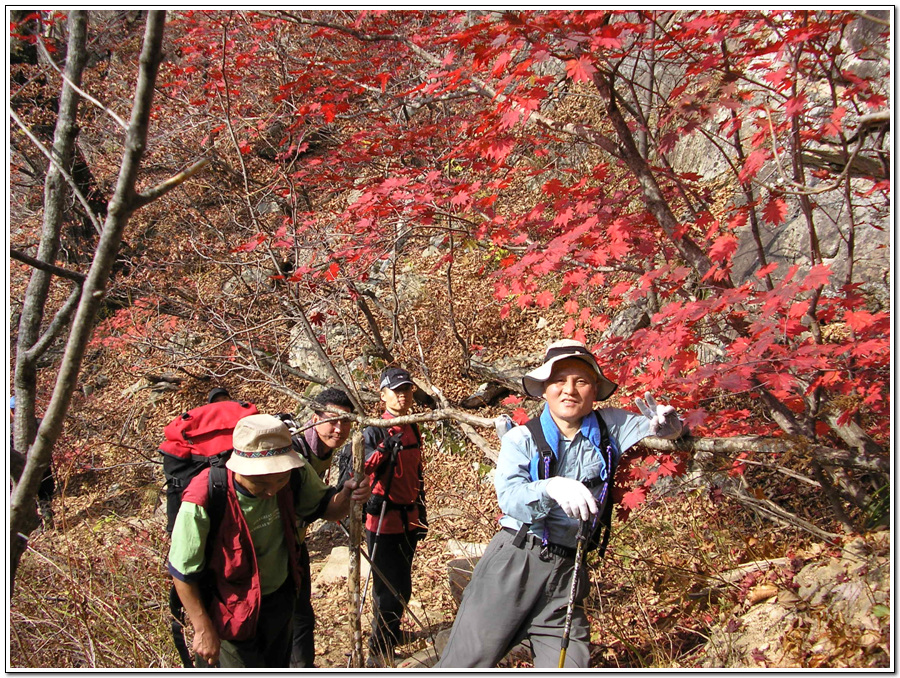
column 194, row 440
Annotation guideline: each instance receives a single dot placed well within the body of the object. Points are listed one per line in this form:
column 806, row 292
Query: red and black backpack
column 194, row 440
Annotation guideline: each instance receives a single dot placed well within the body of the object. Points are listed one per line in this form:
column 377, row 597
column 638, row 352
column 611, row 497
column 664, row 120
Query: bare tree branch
column 121, row 207
column 74, row 276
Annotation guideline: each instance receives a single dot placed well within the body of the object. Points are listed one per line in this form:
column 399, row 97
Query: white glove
column 503, row 425
column 572, row 496
column 664, row 421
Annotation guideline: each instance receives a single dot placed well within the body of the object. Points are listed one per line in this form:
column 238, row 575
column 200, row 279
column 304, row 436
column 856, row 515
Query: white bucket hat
column 533, row 382
column 262, row 445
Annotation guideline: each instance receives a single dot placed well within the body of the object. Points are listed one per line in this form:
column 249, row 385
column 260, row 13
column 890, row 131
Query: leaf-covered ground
column 92, row 591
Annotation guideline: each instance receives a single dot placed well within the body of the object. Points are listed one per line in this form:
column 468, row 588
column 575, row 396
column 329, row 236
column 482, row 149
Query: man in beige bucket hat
column 553, row 479
column 238, row 584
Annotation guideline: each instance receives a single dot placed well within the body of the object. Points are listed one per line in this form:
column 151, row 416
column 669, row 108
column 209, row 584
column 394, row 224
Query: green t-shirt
column 188, row 548
column 320, row 465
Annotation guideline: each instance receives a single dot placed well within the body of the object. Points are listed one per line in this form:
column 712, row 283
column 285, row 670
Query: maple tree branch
column 59, row 168
column 120, row 210
column 653, row 197
column 462, row 342
column 34, row 303
column 59, row 323
column 784, row 471
column 161, row 189
column 481, row 86
column 874, row 19
column 833, row 498
column 772, row 511
column 374, row 329
column 74, row 276
column 826, row 455
column 466, row 427
column 237, row 147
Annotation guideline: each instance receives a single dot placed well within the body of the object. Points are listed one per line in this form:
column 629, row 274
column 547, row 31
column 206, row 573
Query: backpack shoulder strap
column 543, row 466
column 218, row 497
column 296, row 482
column 605, row 440
column 301, row 446
column 605, row 524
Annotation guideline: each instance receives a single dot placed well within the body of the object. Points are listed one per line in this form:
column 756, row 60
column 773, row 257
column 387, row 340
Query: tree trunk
column 120, row 210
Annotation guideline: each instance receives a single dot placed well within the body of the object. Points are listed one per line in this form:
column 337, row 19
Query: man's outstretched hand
column 664, row 420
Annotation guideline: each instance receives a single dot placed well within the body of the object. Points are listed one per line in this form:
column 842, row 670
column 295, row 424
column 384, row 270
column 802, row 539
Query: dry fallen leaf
column 760, row 593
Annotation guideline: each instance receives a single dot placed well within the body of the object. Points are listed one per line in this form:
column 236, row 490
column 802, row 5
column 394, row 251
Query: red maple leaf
column 510, row 118
column 795, row 105
column 580, row 69
column 858, row 320
column 520, row 416
column 544, row 299
column 833, row 127
column 753, row 164
column 778, row 77
column 765, row 270
column 817, row 277
column 724, row 246
column 251, row 244
column 631, row 500
column 775, row 211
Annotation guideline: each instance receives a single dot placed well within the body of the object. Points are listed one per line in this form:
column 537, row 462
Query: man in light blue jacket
column 520, row 588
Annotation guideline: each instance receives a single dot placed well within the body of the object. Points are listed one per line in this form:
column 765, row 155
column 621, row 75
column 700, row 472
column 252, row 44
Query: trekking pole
column 387, row 491
column 390, row 587
column 579, row 556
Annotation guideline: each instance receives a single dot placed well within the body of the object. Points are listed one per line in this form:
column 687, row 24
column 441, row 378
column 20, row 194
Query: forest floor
column 92, row 591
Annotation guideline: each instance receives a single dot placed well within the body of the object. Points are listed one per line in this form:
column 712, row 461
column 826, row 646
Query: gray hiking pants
column 515, row 595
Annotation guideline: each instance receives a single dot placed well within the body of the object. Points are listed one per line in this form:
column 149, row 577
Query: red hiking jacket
column 406, row 484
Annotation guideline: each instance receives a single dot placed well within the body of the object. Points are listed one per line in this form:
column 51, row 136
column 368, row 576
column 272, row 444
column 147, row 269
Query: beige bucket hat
column 262, row 445
column 533, row 382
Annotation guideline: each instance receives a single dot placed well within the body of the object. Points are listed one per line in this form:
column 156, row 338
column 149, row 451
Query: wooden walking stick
column 356, row 529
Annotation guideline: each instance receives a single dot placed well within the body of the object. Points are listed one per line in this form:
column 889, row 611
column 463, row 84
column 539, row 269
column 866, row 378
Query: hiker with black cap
column 237, row 582
column 218, row 395
column 316, row 441
column 553, row 477
column 395, row 515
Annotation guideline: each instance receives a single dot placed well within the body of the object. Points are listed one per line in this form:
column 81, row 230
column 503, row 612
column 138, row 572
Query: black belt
column 555, row 549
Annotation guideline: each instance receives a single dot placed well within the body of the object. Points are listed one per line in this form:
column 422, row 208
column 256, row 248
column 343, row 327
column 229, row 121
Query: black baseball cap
column 216, row 392
column 394, row 377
